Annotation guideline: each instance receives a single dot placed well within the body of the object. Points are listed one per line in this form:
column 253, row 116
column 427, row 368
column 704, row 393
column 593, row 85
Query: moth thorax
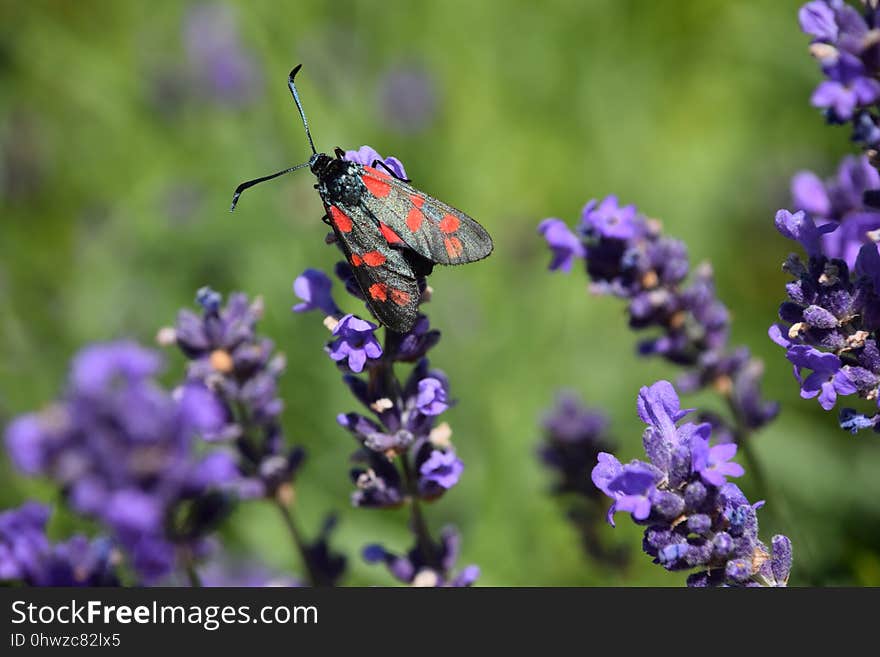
column 343, row 186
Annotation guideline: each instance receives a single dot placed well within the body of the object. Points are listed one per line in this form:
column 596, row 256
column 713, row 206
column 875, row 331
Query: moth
column 391, row 233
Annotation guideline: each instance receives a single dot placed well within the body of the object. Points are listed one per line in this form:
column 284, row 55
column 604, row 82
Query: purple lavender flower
column 355, row 343
column 844, row 45
column 849, row 88
column 439, row 472
column 845, row 223
column 27, row 555
column 564, row 245
column 694, row 519
column 367, row 155
column 827, row 380
column 228, row 356
column 220, row 65
column 801, row 228
column 313, row 287
column 627, row 256
column 713, row 463
column 404, row 457
column 573, row 436
column 830, row 319
column 408, row 98
column 122, row 450
column 415, row 569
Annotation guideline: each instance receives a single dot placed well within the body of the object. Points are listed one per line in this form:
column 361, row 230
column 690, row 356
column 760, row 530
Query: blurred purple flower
column 313, row 287
column 564, row 245
column 229, row 356
column 415, row 570
column 27, row 555
column 122, row 449
column 408, row 98
column 220, row 65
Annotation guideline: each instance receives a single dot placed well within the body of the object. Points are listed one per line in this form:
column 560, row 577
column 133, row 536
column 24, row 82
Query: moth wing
column 426, row 225
column 384, row 274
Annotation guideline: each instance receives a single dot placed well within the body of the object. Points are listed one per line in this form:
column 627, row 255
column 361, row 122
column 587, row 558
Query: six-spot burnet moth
column 391, row 233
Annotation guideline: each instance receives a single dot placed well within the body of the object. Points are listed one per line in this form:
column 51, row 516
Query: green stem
column 191, row 574
column 299, row 542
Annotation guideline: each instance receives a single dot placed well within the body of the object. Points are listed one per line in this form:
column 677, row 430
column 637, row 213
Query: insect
column 391, row 233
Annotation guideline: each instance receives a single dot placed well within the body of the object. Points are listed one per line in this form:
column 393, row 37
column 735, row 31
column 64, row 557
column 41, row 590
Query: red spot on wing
column 414, row 219
column 390, row 236
column 449, row 223
column 356, row 260
column 417, row 200
column 400, row 297
column 378, row 292
column 340, row 219
column 376, row 187
column 453, row 246
column 374, row 259
column 376, row 173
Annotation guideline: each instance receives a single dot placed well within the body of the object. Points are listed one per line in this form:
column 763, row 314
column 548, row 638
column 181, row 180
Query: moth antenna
column 299, row 106
column 256, row 181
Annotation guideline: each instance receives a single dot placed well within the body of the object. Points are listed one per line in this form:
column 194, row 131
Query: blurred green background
column 122, row 141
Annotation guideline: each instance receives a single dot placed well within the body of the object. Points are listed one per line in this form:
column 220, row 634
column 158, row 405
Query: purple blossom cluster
column 844, row 42
column 830, row 318
column 124, row 451
column 404, row 456
column 241, row 368
column 574, row 436
column 627, row 256
column 694, row 518
column 27, row 555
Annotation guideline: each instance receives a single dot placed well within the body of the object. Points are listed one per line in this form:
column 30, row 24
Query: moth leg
column 329, row 238
column 388, row 169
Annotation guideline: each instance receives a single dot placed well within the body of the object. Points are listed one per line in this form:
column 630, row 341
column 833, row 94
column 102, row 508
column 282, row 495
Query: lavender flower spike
column 694, row 518
column 405, row 456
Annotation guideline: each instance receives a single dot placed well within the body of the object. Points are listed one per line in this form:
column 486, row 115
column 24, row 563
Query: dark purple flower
column 631, row 490
column 123, row 451
column 817, row 20
column 562, row 242
column 367, row 156
column 694, row 519
column 221, row 67
column 849, row 87
column 228, row 355
column 802, row 228
column 313, row 287
column 26, row 554
column 432, row 398
column 827, row 380
column 355, row 342
column 440, row 470
column 714, row 463
column 608, row 219
column 413, row 568
column 408, row 98
column 808, row 193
